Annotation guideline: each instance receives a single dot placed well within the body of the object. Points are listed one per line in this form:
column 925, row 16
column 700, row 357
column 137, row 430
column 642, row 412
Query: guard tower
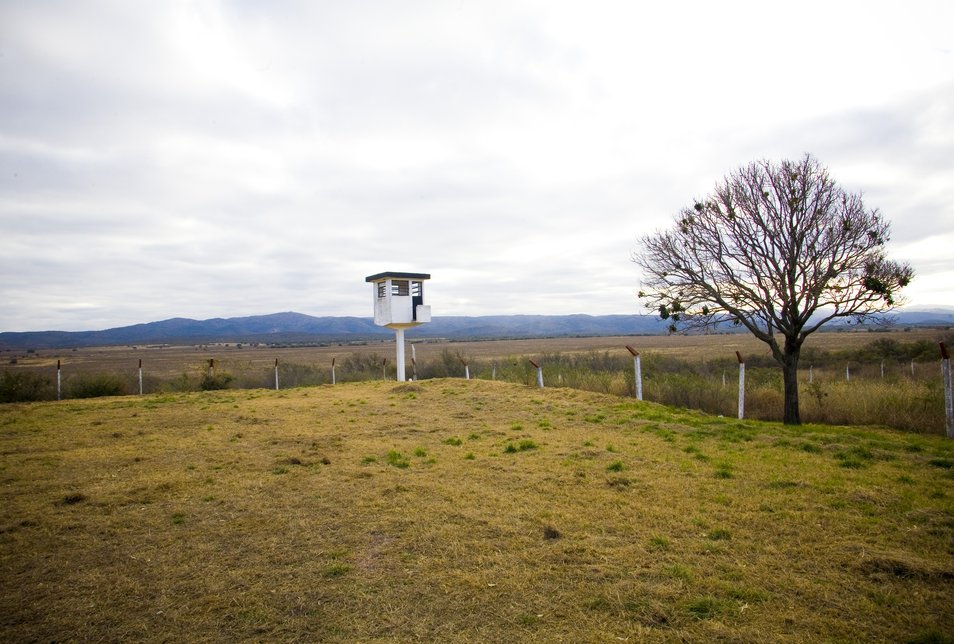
column 399, row 304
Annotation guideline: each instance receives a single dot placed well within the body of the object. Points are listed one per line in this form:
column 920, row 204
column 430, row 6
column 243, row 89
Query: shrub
column 449, row 364
column 364, row 366
column 24, row 386
column 96, row 385
column 299, row 375
column 211, row 382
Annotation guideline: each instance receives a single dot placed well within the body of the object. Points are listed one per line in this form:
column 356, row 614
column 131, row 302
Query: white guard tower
column 399, row 304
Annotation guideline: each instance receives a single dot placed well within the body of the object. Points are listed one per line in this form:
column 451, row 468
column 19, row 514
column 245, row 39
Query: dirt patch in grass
column 904, row 568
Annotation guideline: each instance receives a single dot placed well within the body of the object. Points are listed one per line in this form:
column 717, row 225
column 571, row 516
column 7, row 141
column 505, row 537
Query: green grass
column 397, row 459
column 123, row 519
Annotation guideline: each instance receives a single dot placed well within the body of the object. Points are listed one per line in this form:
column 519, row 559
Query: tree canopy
column 778, row 248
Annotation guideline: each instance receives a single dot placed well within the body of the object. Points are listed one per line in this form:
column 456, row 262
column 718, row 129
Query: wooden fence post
column 413, row 362
column 741, row 385
column 333, row 371
column 637, row 372
column 276, row 374
column 140, row 376
column 948, row 400
column 539, row 373
column 59, row 382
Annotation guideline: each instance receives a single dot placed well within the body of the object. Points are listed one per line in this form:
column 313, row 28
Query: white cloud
column 231, row 158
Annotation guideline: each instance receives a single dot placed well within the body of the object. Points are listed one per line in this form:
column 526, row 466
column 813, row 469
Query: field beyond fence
column 850, row 378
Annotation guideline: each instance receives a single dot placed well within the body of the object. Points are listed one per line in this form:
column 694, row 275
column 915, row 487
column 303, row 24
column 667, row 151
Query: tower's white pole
column 399, row 340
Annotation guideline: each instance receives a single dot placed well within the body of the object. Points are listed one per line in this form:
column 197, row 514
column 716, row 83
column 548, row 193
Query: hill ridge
column 290, row 326
column 293, row 327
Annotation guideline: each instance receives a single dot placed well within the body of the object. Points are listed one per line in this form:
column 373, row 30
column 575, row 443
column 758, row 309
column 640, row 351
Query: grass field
column 453, row 510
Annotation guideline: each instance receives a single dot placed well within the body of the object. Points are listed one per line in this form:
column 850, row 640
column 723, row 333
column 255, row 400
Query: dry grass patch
column 378, row 512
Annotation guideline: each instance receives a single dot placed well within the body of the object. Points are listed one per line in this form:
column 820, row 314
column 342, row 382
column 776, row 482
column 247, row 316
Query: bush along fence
column 886, row 383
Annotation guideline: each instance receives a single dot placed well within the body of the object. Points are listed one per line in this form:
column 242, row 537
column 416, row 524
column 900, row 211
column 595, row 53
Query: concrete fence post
column 637, row 372
column 539, row 373
column 741, row 385
column 948, row 394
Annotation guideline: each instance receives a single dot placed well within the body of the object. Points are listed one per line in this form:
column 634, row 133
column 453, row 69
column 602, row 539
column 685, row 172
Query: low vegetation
column 889, row 379
column 468, row 511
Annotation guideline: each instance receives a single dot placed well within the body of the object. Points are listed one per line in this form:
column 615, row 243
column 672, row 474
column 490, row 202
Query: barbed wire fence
column 910, row 393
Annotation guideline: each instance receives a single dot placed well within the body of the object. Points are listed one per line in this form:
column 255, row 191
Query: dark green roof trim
column 401, row 276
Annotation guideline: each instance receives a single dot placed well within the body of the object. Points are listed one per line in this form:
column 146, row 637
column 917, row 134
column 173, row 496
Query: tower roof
column 393, row 275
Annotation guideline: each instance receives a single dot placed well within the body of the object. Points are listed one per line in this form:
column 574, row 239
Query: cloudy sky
column 228, row 158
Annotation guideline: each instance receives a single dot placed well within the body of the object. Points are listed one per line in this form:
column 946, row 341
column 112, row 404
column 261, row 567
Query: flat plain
column 456, row 510
column 166, row 361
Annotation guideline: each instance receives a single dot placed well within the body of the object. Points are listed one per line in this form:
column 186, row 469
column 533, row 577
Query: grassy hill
column 453, row 510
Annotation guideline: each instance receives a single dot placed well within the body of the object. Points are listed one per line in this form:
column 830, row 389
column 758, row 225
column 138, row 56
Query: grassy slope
column 352, row 513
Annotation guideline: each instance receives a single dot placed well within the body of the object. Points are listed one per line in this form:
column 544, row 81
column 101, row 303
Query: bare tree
column 779, row 249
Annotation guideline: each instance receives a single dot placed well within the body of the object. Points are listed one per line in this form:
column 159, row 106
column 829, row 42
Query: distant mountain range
column 289, row 328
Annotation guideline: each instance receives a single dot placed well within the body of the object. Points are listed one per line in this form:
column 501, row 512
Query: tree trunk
column 790, row 378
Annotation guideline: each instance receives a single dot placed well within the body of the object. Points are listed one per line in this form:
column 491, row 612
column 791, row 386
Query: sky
column 231, row 158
